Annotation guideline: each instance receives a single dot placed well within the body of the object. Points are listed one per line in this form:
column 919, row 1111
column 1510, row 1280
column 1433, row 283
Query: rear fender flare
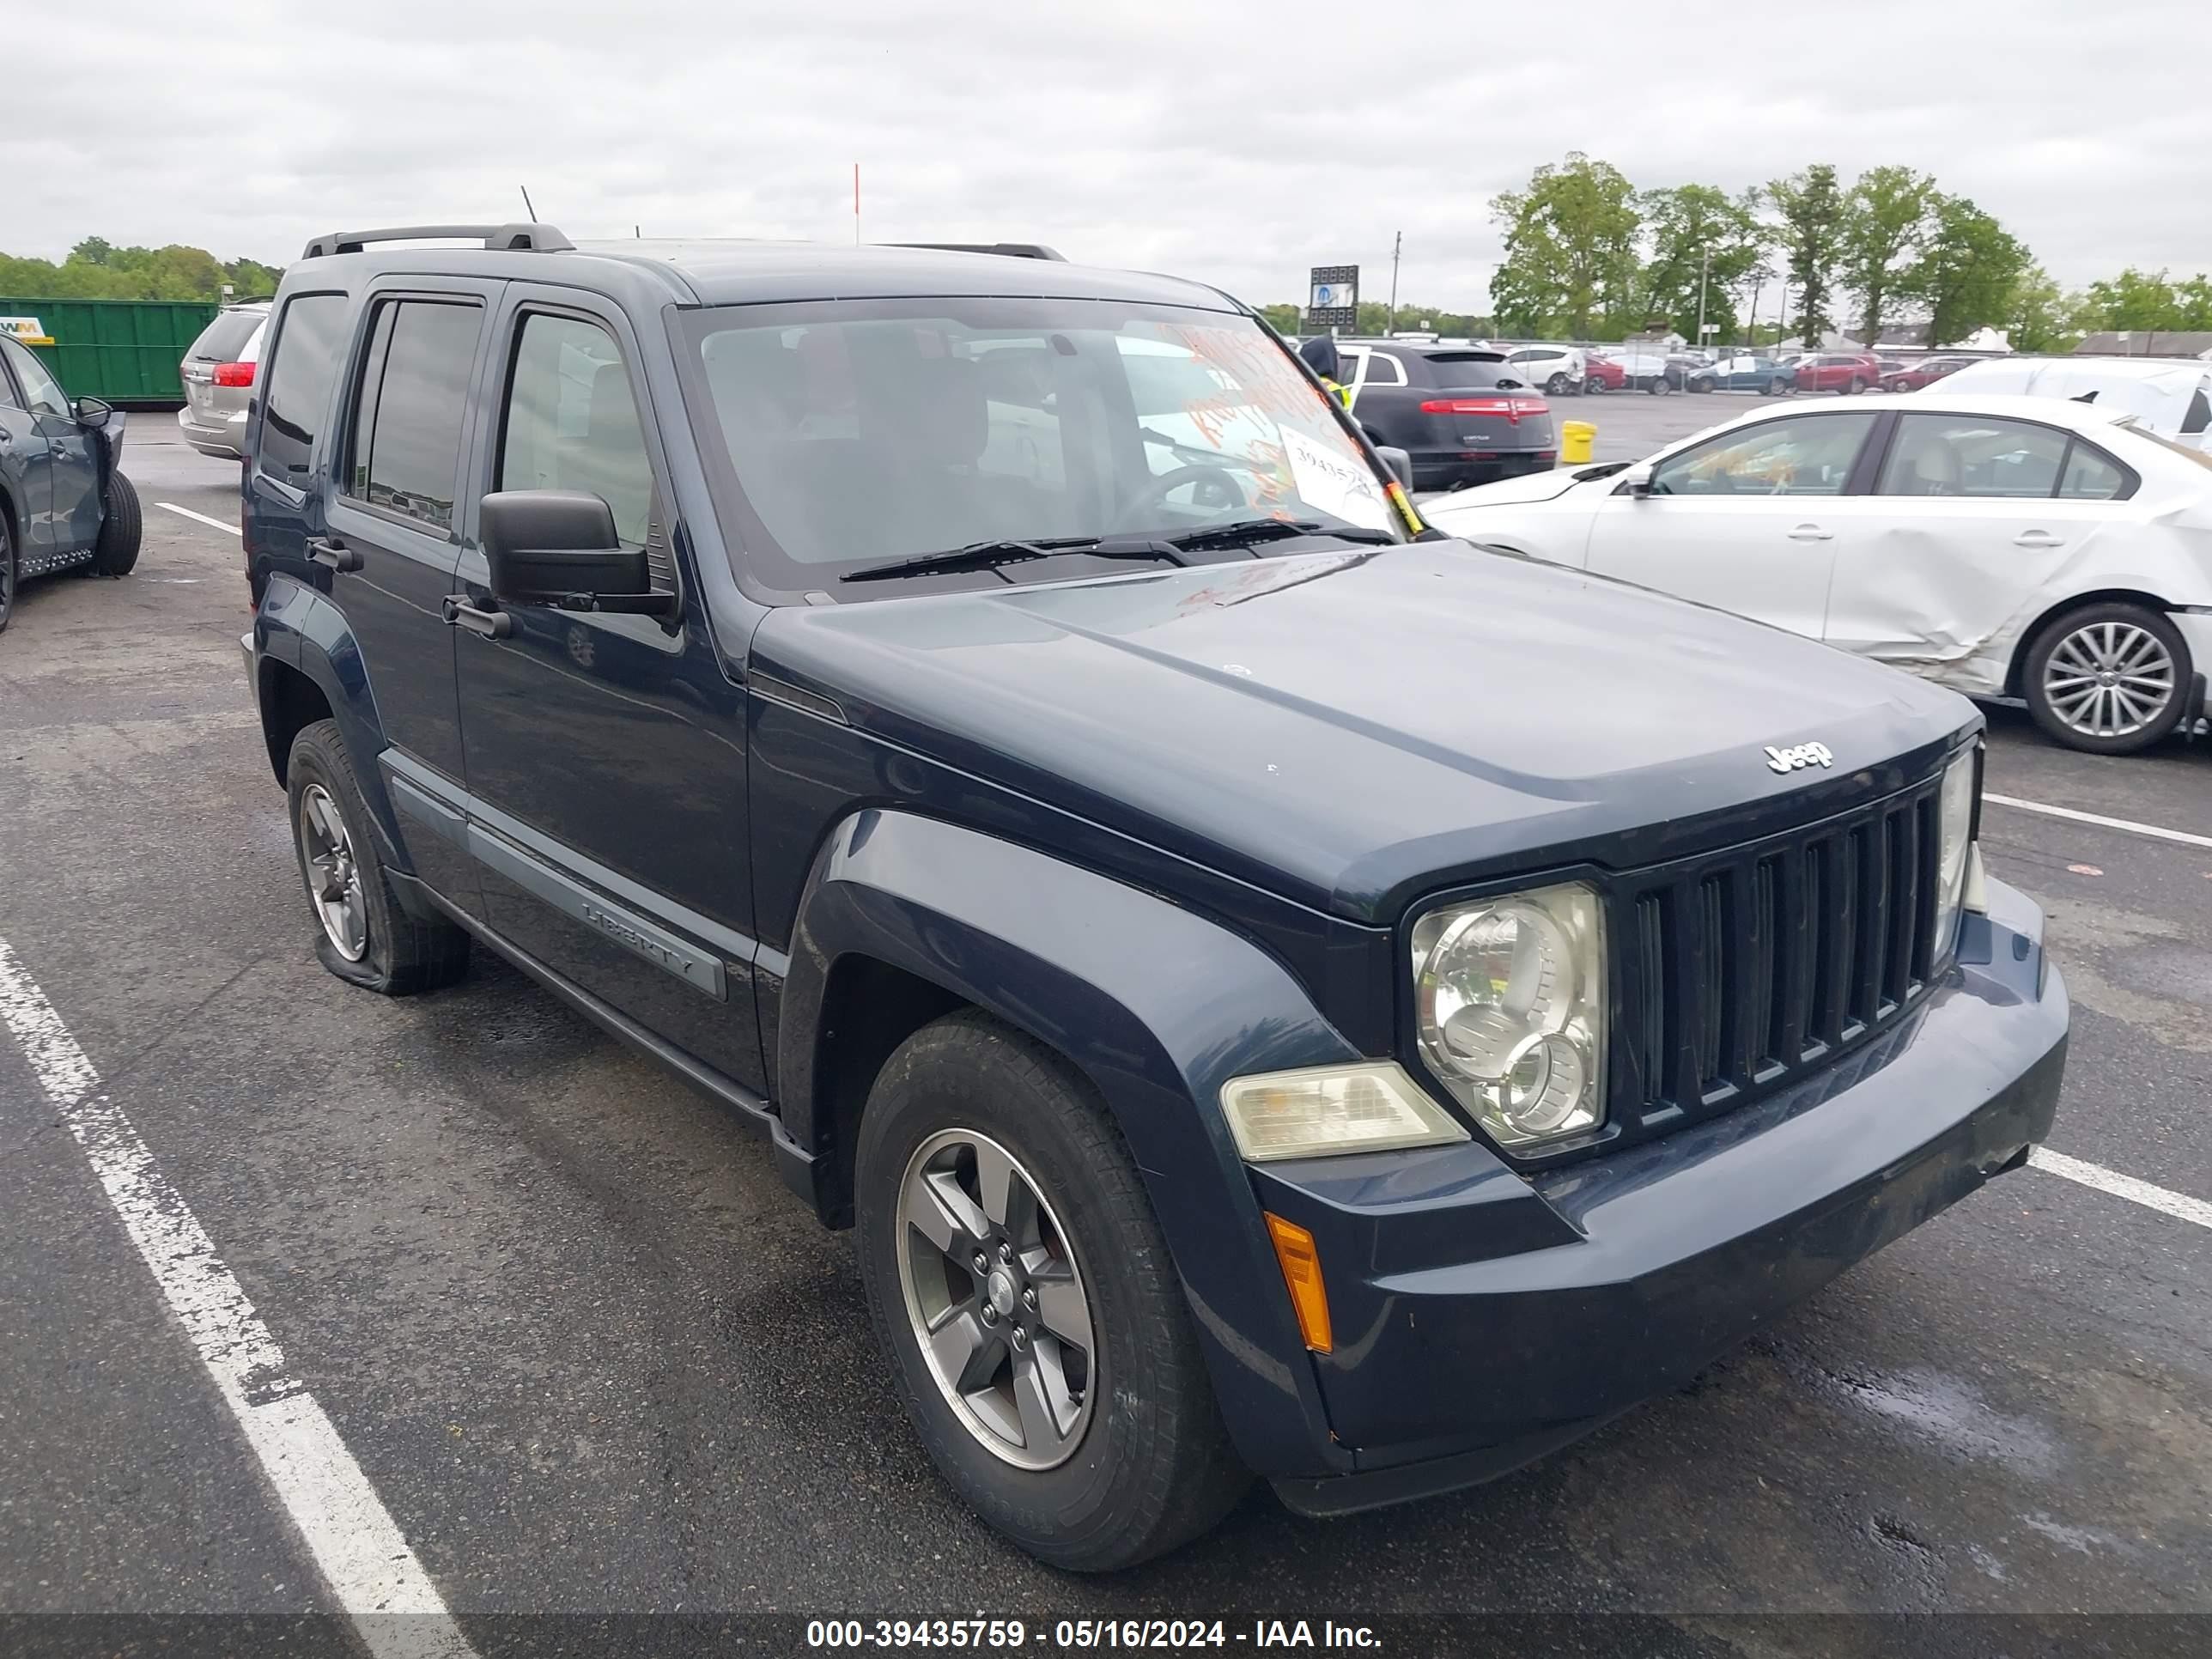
column 1155, row 1005
column 299, row 627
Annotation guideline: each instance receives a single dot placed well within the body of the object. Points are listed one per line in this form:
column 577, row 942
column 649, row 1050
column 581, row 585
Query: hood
column 1441, row 510
column 1346, row 729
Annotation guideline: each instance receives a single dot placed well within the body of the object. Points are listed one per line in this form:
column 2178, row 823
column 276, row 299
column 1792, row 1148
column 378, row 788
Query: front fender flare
column 1155, row 1005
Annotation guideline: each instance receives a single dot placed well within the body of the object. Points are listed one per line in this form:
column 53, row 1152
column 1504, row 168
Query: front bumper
column 1484, row 1318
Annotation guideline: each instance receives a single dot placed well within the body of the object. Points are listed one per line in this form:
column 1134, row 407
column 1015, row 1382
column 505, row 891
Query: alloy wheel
column 995, row 1299
column 2108, row 680
column 333, row 876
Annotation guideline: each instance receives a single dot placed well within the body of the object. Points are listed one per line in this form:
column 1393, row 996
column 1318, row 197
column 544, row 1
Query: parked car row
column 2047, row 548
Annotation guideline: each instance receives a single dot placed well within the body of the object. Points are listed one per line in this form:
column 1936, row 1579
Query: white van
column 2171, row 395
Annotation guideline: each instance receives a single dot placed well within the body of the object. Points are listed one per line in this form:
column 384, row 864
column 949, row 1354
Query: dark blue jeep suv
column 1274, row 989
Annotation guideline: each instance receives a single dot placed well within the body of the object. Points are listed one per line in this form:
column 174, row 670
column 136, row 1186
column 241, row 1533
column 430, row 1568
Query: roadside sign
column 25, row 330
column 1335, row 298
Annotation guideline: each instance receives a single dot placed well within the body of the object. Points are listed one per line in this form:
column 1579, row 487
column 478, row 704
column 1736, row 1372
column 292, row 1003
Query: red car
column 1602, row 373
column 1839, row 371
column 1928, row 370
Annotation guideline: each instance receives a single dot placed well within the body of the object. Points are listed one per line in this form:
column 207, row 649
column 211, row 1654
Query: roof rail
column 1004, row 250
column 503, row 239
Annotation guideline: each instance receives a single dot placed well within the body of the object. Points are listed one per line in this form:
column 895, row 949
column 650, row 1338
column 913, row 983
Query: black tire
column 1661, row 385
column 1594, row 387
column 11, row 572
column 2053, row 633
column 1856, row 387
column 1780, row 388
column 1153, row 1467
column 1701, row 386
column 121, row 527
column 1558, row 386
column 404, row 955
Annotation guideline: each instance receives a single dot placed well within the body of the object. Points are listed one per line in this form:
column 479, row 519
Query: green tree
column 1284, row 319
column 1705, row 245
column 2193, row 302
column 2041, row 316
column 1968, row 271
column 1570, row 249
column 2138, row 300
column 1811, row 206
column 1885, row 217
column 96, row 268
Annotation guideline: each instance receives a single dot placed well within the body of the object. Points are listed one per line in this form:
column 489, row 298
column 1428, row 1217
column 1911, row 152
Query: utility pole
column 1704, row 264
column 1397, row 241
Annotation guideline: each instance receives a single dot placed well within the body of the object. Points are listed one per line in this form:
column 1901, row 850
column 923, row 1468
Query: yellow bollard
column 1576, row 438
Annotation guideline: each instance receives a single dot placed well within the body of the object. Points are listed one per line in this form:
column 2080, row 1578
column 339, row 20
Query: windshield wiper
column 1246, row 532
column 990, row 555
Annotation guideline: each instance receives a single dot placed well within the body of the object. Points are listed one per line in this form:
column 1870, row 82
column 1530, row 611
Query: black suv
column 1276, row 990
column 1464, row 413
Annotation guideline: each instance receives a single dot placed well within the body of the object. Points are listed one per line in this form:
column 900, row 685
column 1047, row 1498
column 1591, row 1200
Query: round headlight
column 1495, row 978
column 1508, row 996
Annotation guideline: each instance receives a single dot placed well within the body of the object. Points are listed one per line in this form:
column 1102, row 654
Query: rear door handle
column 492, row 624
column 332, row 555
column 1811, row 532
column 2038, row 538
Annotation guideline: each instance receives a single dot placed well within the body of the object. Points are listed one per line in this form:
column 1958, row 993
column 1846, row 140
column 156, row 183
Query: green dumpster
column 125, row 351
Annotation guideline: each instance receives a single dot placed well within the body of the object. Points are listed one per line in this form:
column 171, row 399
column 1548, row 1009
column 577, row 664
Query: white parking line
column 359, row 1549
column 2129, row 824
column 2177, row 1205
column 201, row 518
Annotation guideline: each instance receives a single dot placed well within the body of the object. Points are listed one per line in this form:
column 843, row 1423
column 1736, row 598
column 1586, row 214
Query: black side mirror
column 1399, row 461
column 91, row 411
column 558, row 547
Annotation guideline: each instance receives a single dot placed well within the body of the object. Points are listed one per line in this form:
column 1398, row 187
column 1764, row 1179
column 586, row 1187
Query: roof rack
column 1004, row 250
column 499, row 238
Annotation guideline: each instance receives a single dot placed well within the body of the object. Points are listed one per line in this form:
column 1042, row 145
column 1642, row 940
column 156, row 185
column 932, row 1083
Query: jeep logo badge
column 1805, row 754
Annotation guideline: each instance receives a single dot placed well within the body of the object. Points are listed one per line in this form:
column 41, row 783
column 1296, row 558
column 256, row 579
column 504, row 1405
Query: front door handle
column 492, row 624
column 1811, row 532
column 332, row 555
column 2038, row 538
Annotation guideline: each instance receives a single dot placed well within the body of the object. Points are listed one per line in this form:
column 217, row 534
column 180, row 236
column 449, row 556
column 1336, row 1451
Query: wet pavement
column 595, row 1361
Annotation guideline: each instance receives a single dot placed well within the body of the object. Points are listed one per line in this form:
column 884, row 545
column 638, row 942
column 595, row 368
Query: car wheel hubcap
column 995, row 1300
column 2109, row 680
column 333, row 877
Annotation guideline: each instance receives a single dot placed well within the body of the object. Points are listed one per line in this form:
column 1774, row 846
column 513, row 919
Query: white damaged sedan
column 2003, row 546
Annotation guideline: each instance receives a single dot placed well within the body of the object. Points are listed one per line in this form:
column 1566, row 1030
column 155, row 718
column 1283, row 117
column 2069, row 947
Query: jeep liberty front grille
column 1746, row 969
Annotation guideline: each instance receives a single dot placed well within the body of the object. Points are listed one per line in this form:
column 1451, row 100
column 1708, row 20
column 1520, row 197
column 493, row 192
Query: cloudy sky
column 1236, row 141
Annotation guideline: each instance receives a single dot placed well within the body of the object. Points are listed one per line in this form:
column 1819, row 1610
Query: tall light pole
column 1397, row 241
column 1704, row 264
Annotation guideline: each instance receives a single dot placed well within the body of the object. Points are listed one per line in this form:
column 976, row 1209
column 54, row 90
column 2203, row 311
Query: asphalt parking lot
column 594, row 1361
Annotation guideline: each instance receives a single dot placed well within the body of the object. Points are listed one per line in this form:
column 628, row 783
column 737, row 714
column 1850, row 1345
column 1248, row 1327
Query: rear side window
column 406, row 434
column 572, row 423
column 1383, row 369
column 223, row 340
column 309, row 333
column 2199, row 416
column 2091, row 475
column 1971, row 455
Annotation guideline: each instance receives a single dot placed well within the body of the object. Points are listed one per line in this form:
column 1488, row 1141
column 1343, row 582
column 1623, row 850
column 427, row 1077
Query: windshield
column 858, row 431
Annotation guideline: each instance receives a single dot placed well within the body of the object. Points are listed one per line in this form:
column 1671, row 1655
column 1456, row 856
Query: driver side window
column 41, row 390
column 1805, row 455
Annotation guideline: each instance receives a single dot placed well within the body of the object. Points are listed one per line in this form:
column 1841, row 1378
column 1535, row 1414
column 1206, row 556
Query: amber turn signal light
column 1301, row 1265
